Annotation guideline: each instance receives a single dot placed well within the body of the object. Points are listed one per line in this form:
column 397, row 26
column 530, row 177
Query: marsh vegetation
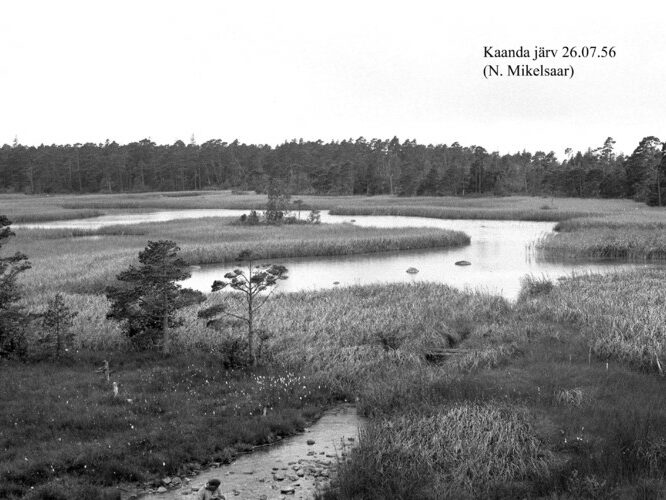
column 468, row 395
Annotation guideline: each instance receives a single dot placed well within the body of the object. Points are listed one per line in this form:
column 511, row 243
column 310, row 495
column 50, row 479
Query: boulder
column 463, row 263
column 412, row 270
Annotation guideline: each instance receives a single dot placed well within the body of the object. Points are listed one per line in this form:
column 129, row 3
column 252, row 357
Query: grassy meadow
column 24, row 208
column 560, row 394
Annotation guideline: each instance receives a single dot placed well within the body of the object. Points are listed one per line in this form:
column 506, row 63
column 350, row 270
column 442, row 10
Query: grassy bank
column 79, row 261
column 546, row 214
column 630, row 236
column 622, row 316
column 64, row 435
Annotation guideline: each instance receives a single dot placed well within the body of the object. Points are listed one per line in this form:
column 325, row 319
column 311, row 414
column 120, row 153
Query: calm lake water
column 501, row 253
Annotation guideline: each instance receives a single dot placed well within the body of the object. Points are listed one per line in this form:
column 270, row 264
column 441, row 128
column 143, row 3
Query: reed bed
column 341, row 334
column 463, row 213
column 464, row 451
column 648, row 218
column 596, row 242
column 82, row 261
column 29, row 217
column 622, row 315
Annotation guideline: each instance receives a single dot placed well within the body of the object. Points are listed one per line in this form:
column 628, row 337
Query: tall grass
column 634, row 235
column 627, row 243
column 63, row 259
column 465, row 450
column 22, row 218
column 622, row 315
column 502, row 213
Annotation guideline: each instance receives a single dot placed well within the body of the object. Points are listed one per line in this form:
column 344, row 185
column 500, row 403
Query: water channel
column 500, row 254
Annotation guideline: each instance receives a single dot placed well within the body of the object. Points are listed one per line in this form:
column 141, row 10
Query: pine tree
column 251, row 282
column 57, row 321
column 148, row 301
column 13, row 317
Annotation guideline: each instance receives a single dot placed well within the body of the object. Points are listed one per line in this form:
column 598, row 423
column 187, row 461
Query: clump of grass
column 465, row 450
column 569, row 397
column 532, row 286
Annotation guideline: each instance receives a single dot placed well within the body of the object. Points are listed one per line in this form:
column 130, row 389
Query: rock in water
column 310, row 442
column 412, row 270
column 463, row 263
column 161, row 489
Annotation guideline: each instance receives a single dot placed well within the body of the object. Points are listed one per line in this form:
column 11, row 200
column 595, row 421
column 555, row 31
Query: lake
column 500, row 254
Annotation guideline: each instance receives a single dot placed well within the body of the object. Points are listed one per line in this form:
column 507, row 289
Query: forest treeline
column 360, row 166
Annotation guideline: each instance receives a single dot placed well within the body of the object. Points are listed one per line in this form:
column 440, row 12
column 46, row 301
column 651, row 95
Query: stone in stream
column 412, row 270
column 278, row 476
column 166, row 481
column 288, row 490
column 463, row 263
column 161, row 489
column 311, row 442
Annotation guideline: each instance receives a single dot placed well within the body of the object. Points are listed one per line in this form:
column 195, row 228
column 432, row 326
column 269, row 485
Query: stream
column 291, row 468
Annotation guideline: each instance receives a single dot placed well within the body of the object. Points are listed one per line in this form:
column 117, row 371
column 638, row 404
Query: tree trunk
column 166, row 347
column 250, row 332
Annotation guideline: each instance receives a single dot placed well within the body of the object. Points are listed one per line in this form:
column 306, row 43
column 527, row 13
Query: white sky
column 269, row 71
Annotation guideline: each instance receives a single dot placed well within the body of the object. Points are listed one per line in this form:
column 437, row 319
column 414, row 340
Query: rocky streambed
column 296, row 467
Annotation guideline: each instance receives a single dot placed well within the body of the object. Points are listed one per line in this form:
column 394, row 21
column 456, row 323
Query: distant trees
column 251, row 281
column 13, row 317
column 641, row 169
column 360, row 166
column 150, row 295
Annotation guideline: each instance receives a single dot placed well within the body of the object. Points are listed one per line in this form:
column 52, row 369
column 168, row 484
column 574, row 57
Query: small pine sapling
column 57, row 321
column 250, row 281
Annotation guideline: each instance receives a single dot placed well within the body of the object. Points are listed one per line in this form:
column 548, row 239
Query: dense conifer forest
column 361, row 167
